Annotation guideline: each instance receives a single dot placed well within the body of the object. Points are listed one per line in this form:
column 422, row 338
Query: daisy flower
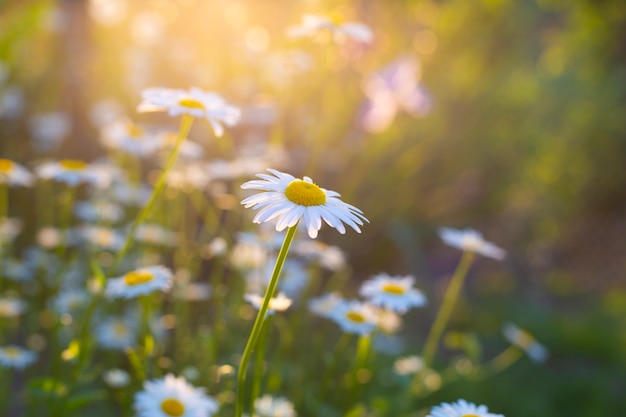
column 16, row 357
column 408, row 365
column 10, row 227
column 324, row 305
column 173, row 397
column 154, row 234
column 314, row 25
column 130, row 138
column 17, row 270
column 393, row 293
column 471, row 241
column 278, row 303
column 268, row 406
column 99, row 211
column 69, row 171
column 103, row 237
column 11, row 307
column 116, row 378
column 14, row 174
column 461, row 408
column 194, row 102
column 525, row 341
column 117, row 333
column 139, row 282
column 354, row 317
column 290, row 199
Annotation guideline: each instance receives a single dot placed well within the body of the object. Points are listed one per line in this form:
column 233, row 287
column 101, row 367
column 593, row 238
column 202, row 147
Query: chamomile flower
column 14, row 174
column 290, row 199
column 10, row 227
column 173, row 397
column 70, row 301
column 103, row 237
column 461, row 408
column 278, row 303
column 393, row 293
column 139, row 282
column 314, row 25
column 116, row 378
column 11, row 307
column 99, row 211
column 471, row 241
column 324, row 305
column 130, row 138
column 194, row 102
column 268, row 406
column 525, row 341
column 69, row 171
column 354, row 317
column 154, row 234
column 117, row 333
column 16, row 357
column 408, row 365
column 17, row 270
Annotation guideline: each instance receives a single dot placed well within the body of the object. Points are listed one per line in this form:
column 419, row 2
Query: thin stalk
column 185, row 125
column 258, row 365
column 449, row 300
column 4, row 205
column 258, row 323
column 363, row 349
column 498, row 364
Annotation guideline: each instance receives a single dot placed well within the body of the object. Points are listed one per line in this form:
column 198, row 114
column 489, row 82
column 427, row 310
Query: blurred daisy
column 461, row 408
column 16, row 357
column 155, row 235
column 103, row 237
column 130, row 138
column 193, row 102
column 116, row 333
column 69, row 171
column 324, row 305
column 194, row 291
column 139, row 282
column 268, row 406
column 290, row 199
column 116, row 378
column 99, row 211
column 293, row 278
column 393, row 293
column 314, row 25
column 525, row 341
column 329, row 257
column 17, row 270
column 50, row 237
column 173, row 397
column 408, row 365
column 188, row 149
column 49, row 129
column 130, row 194
column 471, row 241
column 278, row 303
column 70, row 301
column 14, row 174
column 11, row 307
column 10, row 227
column 354, row 317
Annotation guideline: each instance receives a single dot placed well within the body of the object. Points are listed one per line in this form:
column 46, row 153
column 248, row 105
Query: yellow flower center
column 138, row 277
column 120, row 329
column 11, row 352
column 191, row 103
column 524, row 339
column 393, row 289
column 305, row 193
column 355, row 317
column 172, row 407
column 134, row 131
column 73, row 164
column 6, row 166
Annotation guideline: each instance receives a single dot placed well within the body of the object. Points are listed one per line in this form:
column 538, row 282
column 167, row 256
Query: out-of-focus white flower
column 147, row 28
column 525, row 341
column 129, row 194
column 153, row 234
column 194, row 102
column 107, row 12
column 461, row 408
column 173, row 396
column 141, row 281
column 70, row 301
column 49, row 129
column 116, row 378
column 290, row 200
column 16, row 270
column 268, row 406
column 50, row 237
column 324, row 305
column 394, row 88
column 279, row 303
column 69, row 171
column 116, row 333
column 283, row 66
column 11, row 102
column 12, row 173
column 105, row 112
column 103, row 237
column 354, row 317
column 471, row 241
column 16, row 357
column 98, row 211
column 314, row 25
column 408, row 365
column 10, row 227
column 329, row 257
column 393, row 293
column 130, row 138
column 247, row 256
column 194, row 291
column 11, row 307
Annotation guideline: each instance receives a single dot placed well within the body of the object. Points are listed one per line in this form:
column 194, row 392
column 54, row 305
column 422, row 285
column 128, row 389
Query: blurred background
column 505, row 116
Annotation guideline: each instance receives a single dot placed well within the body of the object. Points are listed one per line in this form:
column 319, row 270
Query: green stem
column 258, row 323
column 498, row 364
column 4, row 205
column 258, row 365
column 449, row 300
column 185, row 126
column 362, row 353
column 65, row 218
